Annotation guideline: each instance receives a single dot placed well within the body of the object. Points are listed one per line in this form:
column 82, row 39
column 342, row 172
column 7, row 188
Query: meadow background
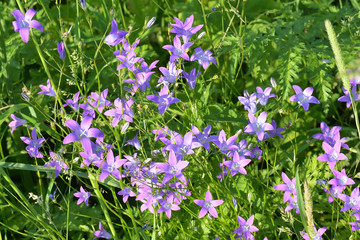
column 252, row 41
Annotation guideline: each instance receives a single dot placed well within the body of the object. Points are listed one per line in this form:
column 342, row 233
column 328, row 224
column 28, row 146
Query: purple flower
column 102, row 233
column 191, row 78
column 293, row 204
column 122, row 110
column 111, row 166
column 116, row 36
column 249, row 102
column 61, row 49
column 24, row 23
column 81, row 132
column 332, row 154
column 169, row 74
column 128, row 57
column 52, row 195
column 47, row 90
column 33, row 144
column 288, row 187
column 256, row 152
column 341, row 179
column 173, row 168
column 57, row 162
column 333, row 192
column 100, row 102
column 74, row 103
column 203, row 138
column 141, row 81
column 83, row 4
column 185, row 29
column 183, row 146
column 246, row 228
column 223, row 144
column 347, row 98
column 178, row 50
column 318, row 235
column 352, row 202
column 355, row 225
column 237, row 164
column 134, row 142
column 168, row 205
column 89, row 155
column 241, row 150
column 203, row 57
column 208, row 205
column 331, row 136
column 17, row 122
column 258, row 126
column 263, row 96
column 163, row 100
column 275, row 131
column 126, row 192
column 303, row 98
column 83, row 196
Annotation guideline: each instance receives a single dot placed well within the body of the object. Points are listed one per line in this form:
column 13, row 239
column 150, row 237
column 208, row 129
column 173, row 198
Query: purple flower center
column 246, row 228
column 184, row 150
column 343, row 180
column 23, row 24
column 352, row 202
column 208, row 205
column 83, row 133
column 173, row 169
column 258, row 126
column 290, row 186
column 167, row 206
column 334, row 156
column 236, row 166
column 303, row 98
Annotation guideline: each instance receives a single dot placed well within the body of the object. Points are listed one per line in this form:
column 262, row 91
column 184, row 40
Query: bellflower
column 23, row 23
column 116, row 36
column 355, row 225
column 134, row 142
column 126, row 192
column 333, row 192
column 33, row 144
column 318, row 235
column 208, row 205
column 331, row 136
column 173, row 168
column 275, row 131
column 83, row 196
column 178, row 50
column 17, row 122
column 347, row 98
column 141, row 81
column 111, row 166
column 241, row 150
column 185, row 30
column 102, row 233
column 288, row 187
column 168, row 205
column 74, row 103
column 258, row 126
column 89, row 155
column 264, row 95
column 122, row 110
column 128, row 57
column 332, row 154
column 163, row 100
column 246, row 228
column 169, row 74
column 204, row 58
column 47, row 90
column 61, row 49
column 183, row 146
column 341, row 179
column 203, row 138
column 57, row 162
column 191, row 78
column 223, row 144
column 237, row 164
column 303, row 97
column 352, row 202
column 83, row 4
column 249, row 102
column 293, row 204
column 100, row 102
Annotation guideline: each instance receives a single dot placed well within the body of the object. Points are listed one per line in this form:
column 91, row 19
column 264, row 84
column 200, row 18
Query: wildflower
column 33, row 144
column 304, row 97
column 347, row 97
column 173, row 168
column 178, row 50
column 102, row 233
column 83, row 4
column 89, row 155
column 17, row 122
column 208, row 205
column 263, row 96
column 352, row 202
column 81, row 132
column 111, row 166
column 122, row 110
column 241, row 150
column 141, row 81
column 47, row 90
column 203, row 138
column 116, row 36
column 169, row 74
column 237, row 164
column 258, row 126
column 246, row 228
column 168, row 205
column 255, row 152
column 23, row 23
column 292, row 204
column 183, row 146
column 126, row 192
column 128, row 57
column 249, row 102
column 151, row 22
column 57, row 162
column 134, row 142
column 191, row 78
column 223, row 144
column 332, row 154
column 318, row 235
column 163, row 100
column 203, row 57
column 61, row 49
column 331, row 136
column 288, row 187
column 73, row 102
column 100, row 102
column 83, row 196
column 341, row 179
column 185, row 30
column 52, row 195
column 275, row 131
column 355, row 225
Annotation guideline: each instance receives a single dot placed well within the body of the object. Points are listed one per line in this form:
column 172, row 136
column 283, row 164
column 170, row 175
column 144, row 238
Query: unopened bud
column 201, row 35
column 25, row 97
column 273, row 82
column 151, row 22
column 125, row 127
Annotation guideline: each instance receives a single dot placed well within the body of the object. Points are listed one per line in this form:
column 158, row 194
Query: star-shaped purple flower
column 111, row 166
column 116, row 36
column 318, row 235
column 17, row 122
column 163, row 100
column 24, row 22
column 249, row 102
column 126, row 193
column 264, row 95
column 347, row 98
column 61, row 49
column 258, row 125
column 332, row 154
column 185, row 29
column 122, row 110
column 178, row 50
column 33, row 144
column 83, row 196
column 304, row 97
column 57, row 162
column 246, row 228
column 288, row 187
column 47, row 90
column 204, row 58
column 191, row 78
column 102, row 233
column 352, row 201
column 173, row 168
column 208, row 205
column 168, row 205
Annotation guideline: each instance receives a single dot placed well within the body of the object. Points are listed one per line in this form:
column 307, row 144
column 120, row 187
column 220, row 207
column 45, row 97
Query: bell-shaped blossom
column 334, row 192
column 169, row 74
column 33, row 144
column 111, row 166
column 203, row 58
column 225, row 144
column 23, row 23
column 355, row 225
column 47, row 90
column 83, row 196
column 128, row 57
column 249, row 102
column 347, row 97
column 100, row 102
column 293, row 205
column 73, row 103
column 258, row 125
column 241, row 150
column 183, row 146
column 17, row 122
column 352, row 201
column 173, row 168
column 102, row 233
column 274, row 132
column 168, row 205
column 332, row 154
column 61, row 49
column 178, row 50
column 116, row 36
column 185, row 29
column 317, row 236
column 126, row 193
column 331, row 136
column 83, row 4
column 264, row 95
column 341, row 179
column 246, row 228
column 304, row 98
column 163, row 100
column 208, row 205
column 237, row 164
column 288, row 187
column 89, row 155
column 57, row 161
column 122, row 110
column 141, row 81
column 134, row 142
column 191, row 78
column 203, row 138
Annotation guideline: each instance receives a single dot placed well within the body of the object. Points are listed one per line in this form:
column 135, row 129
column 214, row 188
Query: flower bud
column 151, row 22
